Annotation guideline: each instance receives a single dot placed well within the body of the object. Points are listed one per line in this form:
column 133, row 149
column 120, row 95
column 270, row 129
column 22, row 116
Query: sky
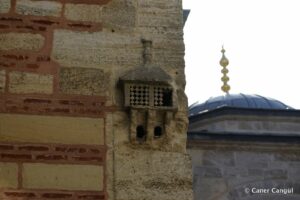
column 262, row 43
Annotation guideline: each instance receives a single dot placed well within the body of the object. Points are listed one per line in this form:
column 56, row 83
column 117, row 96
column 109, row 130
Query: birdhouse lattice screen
column 144, row 95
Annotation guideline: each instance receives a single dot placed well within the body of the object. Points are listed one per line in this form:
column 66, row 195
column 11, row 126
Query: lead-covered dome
column 237, row 101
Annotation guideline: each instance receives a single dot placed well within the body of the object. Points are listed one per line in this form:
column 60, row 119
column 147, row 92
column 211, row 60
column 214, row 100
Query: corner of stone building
column 154, row 170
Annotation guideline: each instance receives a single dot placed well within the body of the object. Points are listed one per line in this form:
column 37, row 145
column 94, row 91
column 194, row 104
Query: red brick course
column 48, row 195
column 52, row 153
column 64, row 105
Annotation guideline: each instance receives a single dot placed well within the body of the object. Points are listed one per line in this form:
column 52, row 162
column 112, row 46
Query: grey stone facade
column 227, row 174
column 231, row 165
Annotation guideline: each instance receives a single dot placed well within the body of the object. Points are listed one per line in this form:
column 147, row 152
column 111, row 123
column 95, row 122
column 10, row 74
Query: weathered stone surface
column 95, row 50
column 196, row 156
column 173, row 142
column 109, row 141
column 21, row 41
column 8, row 175
column 120, row 15
column 83, row 12
column 217, row 177
column 293, row 173
column 210, row 188
column 2, row 80
column 151, row 174
column 178, row 126
column 84, row 81
column 4, row 6
column 22, row 82
column 275, row 174
column 211, row 172
column 142, row 174
column 218, row 158
column 162, row 22
column 255, row 172
column 58, row 176
column 246, row 159
column 169, row 58
column 152, row 4
column 46, row 129
column 235, row 172
column 256, row 124
column 39, row 8
column 162, row 14
column 294, row 156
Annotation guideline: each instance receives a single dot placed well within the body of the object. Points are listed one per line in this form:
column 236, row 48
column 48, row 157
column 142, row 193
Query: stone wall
column 235, row 170
column 63, row 128
column 259, row 123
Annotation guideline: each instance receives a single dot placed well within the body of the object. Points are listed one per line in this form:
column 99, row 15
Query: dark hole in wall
column 167, row 97
column 140, row 133
column 158, row 132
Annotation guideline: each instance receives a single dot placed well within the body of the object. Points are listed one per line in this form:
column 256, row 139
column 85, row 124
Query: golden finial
column 224, row 62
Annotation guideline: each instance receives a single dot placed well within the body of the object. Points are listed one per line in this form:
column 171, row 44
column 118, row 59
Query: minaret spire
column 224, row 62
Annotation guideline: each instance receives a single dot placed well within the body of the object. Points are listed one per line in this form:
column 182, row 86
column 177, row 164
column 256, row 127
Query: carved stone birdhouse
column 150, row 98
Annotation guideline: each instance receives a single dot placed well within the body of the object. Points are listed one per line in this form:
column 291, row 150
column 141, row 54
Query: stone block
column 158, row 4
column 4, row 6
column 83, row 12
column 39, row 8
column 8, row 175
column 294, row 174
column 22, row 82
column 142, row 174
column 84, row 81
column 50, row 129
column 134, row 159
column 233, row 172
column 168, row 57
column 210, row 188
column 63, row 177
column 158, row 13
column 275, row 174
column 255, row 172
column 21, row 41
column 253, row 159
column 152, row 19
column 287, row 157
column 96, row 50
column 218, row 158
column 211, row 172
column 120, row 15
column 2, row 81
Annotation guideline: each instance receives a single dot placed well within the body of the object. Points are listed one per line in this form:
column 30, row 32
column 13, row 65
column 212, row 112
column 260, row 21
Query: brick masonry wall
column 58, row 151
column 61, row 108
column 223, row 170
column 45, row 170
column 31, row 81
column 49, row 171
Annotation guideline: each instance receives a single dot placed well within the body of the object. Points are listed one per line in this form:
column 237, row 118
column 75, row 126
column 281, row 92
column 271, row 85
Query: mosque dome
column 237, row 101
